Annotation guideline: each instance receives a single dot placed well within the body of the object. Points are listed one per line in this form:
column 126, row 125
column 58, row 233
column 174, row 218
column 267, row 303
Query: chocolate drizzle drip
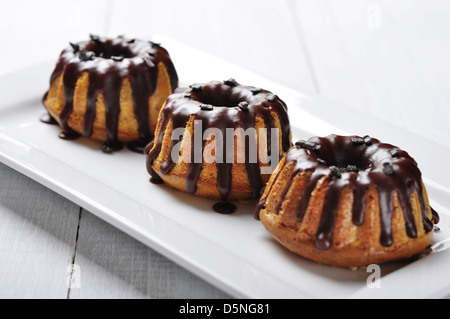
column 358, row 163
column 108, row 62
column 48, row 119
column 224, row 208
column 68, row 135
column 219, row 105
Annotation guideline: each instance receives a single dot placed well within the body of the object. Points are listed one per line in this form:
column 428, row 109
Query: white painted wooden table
column 388, row 59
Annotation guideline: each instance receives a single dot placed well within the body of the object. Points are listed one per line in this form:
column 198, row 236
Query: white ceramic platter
column 232, row 252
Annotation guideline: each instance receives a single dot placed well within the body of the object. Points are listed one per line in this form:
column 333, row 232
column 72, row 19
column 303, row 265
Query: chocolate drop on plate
column 224, row 208
column 137, row 146
column 69, row 135
column 48, row 119
column 109, row 148
column 156, row 180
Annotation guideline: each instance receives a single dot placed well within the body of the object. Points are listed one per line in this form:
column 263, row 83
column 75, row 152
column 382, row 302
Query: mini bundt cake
column 348, row 201
column 110, row 90
column 219, row 140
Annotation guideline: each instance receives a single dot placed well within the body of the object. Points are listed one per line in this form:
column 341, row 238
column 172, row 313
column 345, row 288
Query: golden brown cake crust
column 339, row 231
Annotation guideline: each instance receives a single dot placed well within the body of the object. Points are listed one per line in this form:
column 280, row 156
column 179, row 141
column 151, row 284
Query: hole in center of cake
column 219, row 96
column 108, row 50
column 348, row 161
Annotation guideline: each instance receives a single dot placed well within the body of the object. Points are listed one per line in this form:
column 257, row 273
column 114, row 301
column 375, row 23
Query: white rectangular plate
column 232, row 252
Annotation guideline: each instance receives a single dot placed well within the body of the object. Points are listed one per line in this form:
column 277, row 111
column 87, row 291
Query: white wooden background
column 389, row 59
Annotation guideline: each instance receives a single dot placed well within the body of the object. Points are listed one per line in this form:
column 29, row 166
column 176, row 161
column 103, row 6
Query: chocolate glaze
column 48, row 119
column 224, row 208
column 68, row 135
column 220, row 105
column 362, row 163
column 108, row 62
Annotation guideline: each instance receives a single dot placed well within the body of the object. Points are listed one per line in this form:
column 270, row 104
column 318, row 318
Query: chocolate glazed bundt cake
column 110, row 90
column 233, row 171
column 348, row 201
